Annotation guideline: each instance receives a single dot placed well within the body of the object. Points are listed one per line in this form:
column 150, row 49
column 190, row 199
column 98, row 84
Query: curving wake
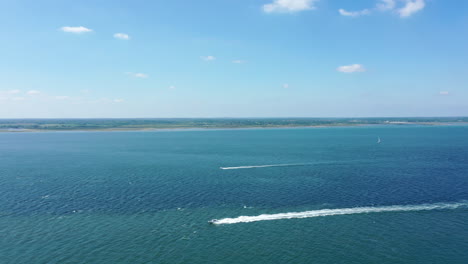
column 342, row 211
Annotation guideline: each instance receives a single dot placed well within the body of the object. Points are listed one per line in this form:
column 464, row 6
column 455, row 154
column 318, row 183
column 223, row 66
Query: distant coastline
column 177, row 124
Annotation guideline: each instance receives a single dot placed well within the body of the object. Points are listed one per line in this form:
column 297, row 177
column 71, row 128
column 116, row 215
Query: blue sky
column 233, row 58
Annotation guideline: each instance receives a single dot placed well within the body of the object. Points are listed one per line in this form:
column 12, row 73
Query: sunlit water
column 319, row 195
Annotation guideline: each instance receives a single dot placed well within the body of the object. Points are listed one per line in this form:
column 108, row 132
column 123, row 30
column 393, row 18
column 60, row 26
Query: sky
column 233, row 58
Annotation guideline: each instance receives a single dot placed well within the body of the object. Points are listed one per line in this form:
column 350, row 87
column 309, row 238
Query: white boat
column 378, row 140
column 213, row 221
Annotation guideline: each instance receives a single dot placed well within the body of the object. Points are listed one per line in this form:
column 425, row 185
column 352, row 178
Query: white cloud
column 351, row 68
column 76, row 30
column 285, row 6
column 385, row 5
column 10, row 92
column 172, row 87
column 238, row 61
column 208, row 58
column 354, row 13
column 137, row 75
column 444, row 93
column 118, row 100
column 141, row 75
column 13, row 95
column 286, row 85
column 121, row 36
column 33, row 92
column 411, row 7
column 62, row 97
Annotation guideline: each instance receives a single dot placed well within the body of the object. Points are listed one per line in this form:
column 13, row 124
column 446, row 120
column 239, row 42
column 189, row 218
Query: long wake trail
column 342, row 211
column 266, row 166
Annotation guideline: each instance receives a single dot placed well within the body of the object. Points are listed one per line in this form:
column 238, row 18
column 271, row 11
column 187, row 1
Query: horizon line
column 226, row 117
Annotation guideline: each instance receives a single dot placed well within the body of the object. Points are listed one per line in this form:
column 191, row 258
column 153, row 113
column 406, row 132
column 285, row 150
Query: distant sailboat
column 378, row 140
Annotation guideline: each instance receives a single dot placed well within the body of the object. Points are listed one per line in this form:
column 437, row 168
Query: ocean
column 295, row 195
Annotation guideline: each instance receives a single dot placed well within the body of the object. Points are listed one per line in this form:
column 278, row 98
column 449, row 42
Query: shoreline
column 170, row 129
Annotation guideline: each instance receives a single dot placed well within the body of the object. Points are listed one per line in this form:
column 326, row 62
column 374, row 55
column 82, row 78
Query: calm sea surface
column 147, row 197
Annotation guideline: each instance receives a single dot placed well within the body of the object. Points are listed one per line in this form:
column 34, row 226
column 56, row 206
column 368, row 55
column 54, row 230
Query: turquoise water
column 146, row 197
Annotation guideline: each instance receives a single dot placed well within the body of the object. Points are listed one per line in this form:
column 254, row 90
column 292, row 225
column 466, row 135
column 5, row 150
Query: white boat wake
column 266, row 166
column 342, row 211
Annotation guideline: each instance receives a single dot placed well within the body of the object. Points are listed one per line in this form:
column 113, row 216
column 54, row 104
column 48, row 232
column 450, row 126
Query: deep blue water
column 146, row 197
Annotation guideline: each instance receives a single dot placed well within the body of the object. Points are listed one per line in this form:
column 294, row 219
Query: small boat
column 213, row 221
column 378, row 140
